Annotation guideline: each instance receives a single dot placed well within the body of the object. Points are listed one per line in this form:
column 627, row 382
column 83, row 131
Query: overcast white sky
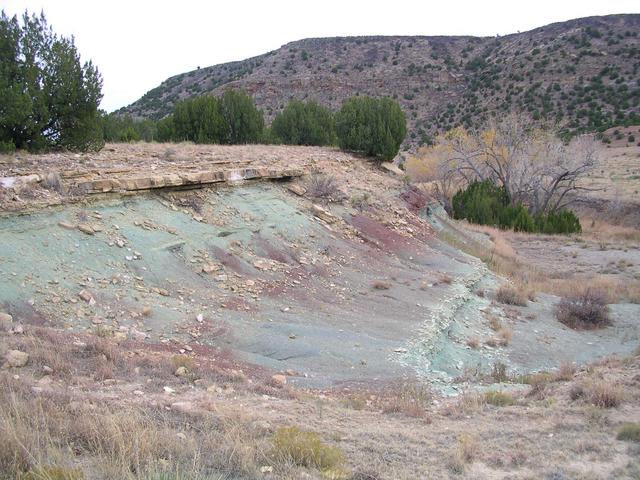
column 136, row 44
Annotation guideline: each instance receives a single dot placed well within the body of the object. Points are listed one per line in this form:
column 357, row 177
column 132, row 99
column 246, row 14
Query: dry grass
column 499, row 399
column 511, row 296
column 123, row 442
column 598, row 392
column 528, row 278
column 411, row 399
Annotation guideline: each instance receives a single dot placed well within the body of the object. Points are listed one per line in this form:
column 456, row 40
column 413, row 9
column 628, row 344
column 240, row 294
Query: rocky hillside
column 583, row 74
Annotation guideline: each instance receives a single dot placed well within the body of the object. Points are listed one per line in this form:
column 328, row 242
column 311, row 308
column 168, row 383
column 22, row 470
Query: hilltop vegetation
column 581, row 74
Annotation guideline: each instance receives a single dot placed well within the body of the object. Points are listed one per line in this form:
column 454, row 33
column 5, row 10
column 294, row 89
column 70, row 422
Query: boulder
column 16, row 358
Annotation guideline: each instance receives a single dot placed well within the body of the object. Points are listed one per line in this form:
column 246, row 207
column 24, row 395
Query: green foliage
column 244, row 122
column 488, row 204
column 7, row 146
column 230, row 119
column 199, row 120
column 306, row 449
column 118, row 128
column 373, row 126
column 48, row 98
column 304, row 124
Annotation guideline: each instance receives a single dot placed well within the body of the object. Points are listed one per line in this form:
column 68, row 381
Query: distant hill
column 583, row 74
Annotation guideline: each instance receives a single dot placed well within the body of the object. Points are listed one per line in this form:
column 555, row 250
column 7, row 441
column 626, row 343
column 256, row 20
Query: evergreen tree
column 47, row 97
column 373, row 126
column 304, row 124
column 243, row 121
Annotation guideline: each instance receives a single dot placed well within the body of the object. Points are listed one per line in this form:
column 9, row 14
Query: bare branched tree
column 533, row 165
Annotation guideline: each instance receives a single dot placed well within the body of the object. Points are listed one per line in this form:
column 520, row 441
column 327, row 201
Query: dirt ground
column 331, row 302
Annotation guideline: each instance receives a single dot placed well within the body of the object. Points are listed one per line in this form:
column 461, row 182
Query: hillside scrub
column 375, row 127
column 48, row 98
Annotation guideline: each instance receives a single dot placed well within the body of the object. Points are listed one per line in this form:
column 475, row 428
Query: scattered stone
column 17, row 330
column 181, row 372
column 87, row 297
column 147, row 311
column 181, row 436
column 16, row 358
column 5, row 322
column 279, row 379
column 67, row 225
column 390, row 167
column 323, row 214
column 266, row 469
column 210, row 268
column 297, row 189
column 86, row 228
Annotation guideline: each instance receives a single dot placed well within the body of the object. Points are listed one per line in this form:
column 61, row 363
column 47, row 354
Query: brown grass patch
column 511, row 296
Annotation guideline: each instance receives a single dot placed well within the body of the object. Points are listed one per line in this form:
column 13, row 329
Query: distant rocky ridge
column 583, row 75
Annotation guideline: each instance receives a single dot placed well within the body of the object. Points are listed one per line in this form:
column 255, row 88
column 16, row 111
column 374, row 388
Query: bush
column 488, row 204
column 304, row 124
column 7, row 146
column 306, row 449
column 230, row 119
column 374, row 127
column 323, row 186
column 586, row 310
column 629, row 432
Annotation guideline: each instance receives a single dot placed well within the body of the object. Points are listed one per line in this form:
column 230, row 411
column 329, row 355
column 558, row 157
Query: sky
column 137, row 44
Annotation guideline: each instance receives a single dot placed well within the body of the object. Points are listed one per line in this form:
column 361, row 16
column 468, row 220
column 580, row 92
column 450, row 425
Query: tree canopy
column 48, row 98
column 374, row 126
column 303, row 123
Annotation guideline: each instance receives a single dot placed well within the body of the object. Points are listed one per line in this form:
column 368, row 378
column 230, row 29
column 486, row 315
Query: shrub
column 586, row 310
column 629, row 432
column 7, row 146
column 304, row 124
column 323, row 186
column 306, row 449
column 230, row 119
column 488, row 204
column 374, row 127
column 499, row 399
column 511, row 296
